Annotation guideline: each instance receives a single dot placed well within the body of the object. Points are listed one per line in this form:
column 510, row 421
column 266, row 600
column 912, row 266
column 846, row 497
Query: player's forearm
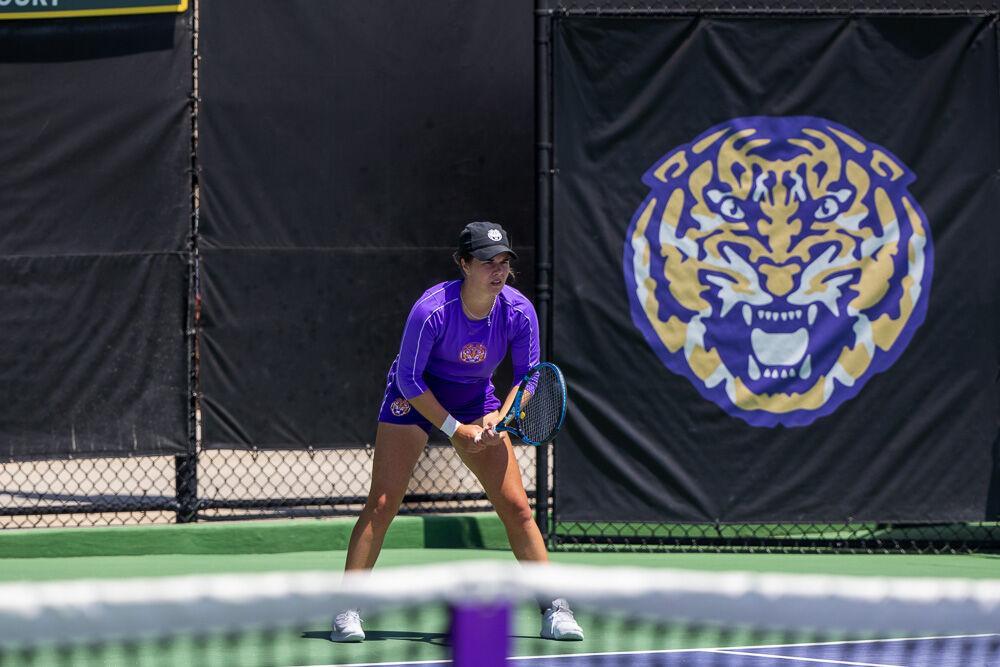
column 428, row 406
column 509, row 401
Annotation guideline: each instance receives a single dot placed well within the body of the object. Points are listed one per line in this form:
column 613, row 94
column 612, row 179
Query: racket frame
column 507, row 423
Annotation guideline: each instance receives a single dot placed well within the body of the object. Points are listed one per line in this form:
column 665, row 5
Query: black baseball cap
column 484, row 241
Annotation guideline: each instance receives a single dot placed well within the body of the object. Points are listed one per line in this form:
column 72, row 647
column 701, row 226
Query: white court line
column 382, row 664
column 861, row 641
column 801, row 659
column 710, row 649
column 718, row 649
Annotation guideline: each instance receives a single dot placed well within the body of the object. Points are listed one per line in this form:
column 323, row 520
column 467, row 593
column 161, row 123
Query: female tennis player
column 456, row 335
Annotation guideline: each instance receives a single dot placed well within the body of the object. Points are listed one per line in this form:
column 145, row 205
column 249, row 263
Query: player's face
column 491, row 275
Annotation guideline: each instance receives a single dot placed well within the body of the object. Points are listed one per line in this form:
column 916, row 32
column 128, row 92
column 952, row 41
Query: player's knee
column 381, row 509
column 518, row 513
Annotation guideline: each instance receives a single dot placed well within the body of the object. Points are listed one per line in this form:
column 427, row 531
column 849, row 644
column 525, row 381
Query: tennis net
column 487, row 614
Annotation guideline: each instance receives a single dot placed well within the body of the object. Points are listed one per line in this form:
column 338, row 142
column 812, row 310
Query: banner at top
column 44, row 9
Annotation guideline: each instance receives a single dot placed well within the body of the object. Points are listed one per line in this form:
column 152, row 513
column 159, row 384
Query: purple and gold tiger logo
column 778, row 263
column 400, row 407
column 473, row 353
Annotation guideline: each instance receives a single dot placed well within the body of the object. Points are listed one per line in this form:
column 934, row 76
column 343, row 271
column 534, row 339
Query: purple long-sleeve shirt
column 442, row 345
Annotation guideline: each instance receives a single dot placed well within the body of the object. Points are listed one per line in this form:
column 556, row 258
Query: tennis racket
column 539, row 406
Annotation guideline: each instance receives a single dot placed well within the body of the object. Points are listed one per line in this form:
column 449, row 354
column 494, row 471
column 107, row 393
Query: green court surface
column 123, row 552
column 401, row 638
column 395, row 638
column 260, row 546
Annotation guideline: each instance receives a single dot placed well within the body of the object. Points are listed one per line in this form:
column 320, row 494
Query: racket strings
column 542, row 411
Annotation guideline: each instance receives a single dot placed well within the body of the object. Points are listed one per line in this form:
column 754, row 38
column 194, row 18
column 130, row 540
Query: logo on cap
column 494, row 235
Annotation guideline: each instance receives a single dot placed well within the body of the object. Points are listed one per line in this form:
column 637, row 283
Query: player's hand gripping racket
column 539, row 406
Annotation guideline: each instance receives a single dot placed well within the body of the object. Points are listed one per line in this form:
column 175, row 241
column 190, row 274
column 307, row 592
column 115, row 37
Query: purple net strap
column 480, row 634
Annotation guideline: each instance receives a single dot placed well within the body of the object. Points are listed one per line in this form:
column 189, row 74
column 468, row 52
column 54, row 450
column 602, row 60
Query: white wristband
column 449, row 426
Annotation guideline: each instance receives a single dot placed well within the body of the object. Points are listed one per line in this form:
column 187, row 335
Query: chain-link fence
column 228, row 484
column 242, row 485
column 854, row 537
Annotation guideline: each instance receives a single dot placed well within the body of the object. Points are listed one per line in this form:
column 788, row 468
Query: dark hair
column 467, row 256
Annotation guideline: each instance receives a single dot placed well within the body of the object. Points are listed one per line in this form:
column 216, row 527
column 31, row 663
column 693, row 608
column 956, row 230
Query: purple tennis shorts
column 465, row 401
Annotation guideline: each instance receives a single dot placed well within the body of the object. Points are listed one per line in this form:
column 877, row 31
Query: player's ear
column 462, row 264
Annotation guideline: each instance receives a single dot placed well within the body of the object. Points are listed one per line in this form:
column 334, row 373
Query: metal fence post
column 543, row 228
column 186, row 465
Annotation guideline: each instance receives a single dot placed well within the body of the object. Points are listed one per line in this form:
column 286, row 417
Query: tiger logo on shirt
column 473, row 353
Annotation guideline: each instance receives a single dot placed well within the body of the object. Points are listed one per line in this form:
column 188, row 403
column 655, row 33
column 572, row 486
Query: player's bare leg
column 497, row 470
column 397, row 449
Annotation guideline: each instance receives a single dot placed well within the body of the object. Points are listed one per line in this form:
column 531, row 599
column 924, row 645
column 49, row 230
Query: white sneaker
column 558, row 623
column 347, row 627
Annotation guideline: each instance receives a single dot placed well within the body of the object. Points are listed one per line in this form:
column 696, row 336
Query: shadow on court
column 432, row 638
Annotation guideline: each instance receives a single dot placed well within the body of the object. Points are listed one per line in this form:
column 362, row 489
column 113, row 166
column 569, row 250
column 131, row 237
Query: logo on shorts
column 494, row 235
column 400, row 407
column 473, row 353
